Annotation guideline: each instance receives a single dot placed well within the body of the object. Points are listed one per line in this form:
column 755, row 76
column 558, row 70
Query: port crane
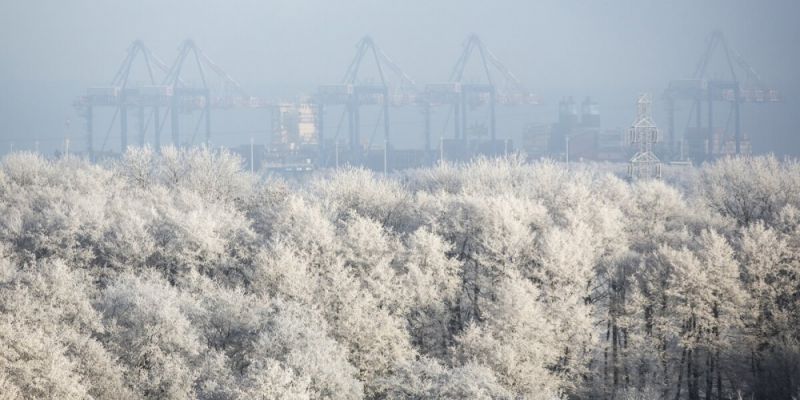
column 166, row 93
column 122, row 97
column 393, row 88
column 741, row 85
column 502, row 87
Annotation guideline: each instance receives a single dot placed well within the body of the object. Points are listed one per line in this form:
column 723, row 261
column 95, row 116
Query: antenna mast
column 644, row 134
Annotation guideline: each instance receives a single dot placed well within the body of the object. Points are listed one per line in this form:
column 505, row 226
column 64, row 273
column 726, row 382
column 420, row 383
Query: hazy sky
column 566, row 47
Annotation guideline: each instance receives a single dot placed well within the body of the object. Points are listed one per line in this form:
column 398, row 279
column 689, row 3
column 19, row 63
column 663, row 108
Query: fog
column 254, row 214
column 50, row 51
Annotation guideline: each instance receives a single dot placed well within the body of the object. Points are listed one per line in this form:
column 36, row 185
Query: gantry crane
column 122, row 97
column 171, row 93
column 354, row 92
column 187, row 98
column 702, row 89
column 507, row 90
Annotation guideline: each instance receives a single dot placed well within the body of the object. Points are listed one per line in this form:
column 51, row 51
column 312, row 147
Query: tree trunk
column 694, row 375
column 605, row 366
column 614, row 341
column 665, row 367
column 719, row 376
column 709, row 375
column 624, row 340
column 680, row 376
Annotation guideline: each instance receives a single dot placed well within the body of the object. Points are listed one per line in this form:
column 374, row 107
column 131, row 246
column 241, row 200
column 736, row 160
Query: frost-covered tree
column 771, row 274
column 750, row 189
column 146, row 327
column 704, row 298
column 427, row 379
column 174, row 274
column 48, row 331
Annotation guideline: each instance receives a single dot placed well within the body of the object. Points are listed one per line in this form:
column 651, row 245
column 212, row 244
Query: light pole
column 252, row 160
column 441, row 150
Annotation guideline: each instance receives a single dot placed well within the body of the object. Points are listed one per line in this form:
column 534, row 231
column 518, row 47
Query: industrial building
column 577, row 135
column 295, row 124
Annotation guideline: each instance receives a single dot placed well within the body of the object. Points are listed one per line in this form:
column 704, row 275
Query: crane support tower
column 644, row 134
column 186, row 98
column 742, row 85
column 508, row 90
column 122, row 97
column 157, row 98
column 393, row 88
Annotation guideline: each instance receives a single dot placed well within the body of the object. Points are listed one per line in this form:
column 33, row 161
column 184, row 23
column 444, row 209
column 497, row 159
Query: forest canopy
column 176, row 274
